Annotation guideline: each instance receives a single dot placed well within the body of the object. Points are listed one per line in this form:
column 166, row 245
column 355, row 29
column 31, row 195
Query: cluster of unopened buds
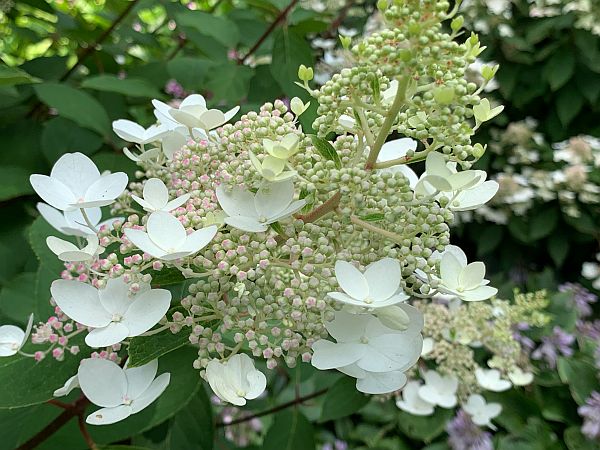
column 293, row 246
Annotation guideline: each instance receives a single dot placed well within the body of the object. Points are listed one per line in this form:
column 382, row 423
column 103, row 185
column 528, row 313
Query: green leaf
column 575, row 440
column 61, row 136
column 132, row 87
column 290, row 51
column 192, row 427
column 542, row 223
column 580, row 375
column 221, row 29
column 558, row 247
column 568, row 104
column 326, row 150
column 229, row 81
column 290, row 431
column 489, row 239
column 424, row 428
column 342, row 399
column 18, row 299
column 189, row 71
column 143, row 349
column 375, row 217
column 10, row 76
column 32, row 382
column 115, row 162
column 560, row 68
column 167, row 277
column 75, row 104
column 15, row 182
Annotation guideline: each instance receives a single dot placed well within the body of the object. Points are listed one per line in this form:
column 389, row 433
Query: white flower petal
column 177, row 202
column 115, row 296
column 472, row 275
column 107, row 416
column 478, row 294
column 166, row 231
column 193, row 100
column 249, row 224
column 129, row 131
column 11, row 338
column 273, row 198
column 198, row 239
column 146, row 310
column 231, row 113
column 102, row 381
column 52, row 191
column 142, row 240
column 474, row 198
column 111, row 334
column 157, row 387
column 80, row 302
column 293, row 208
column 328, row 355
column 212, row 118
column 450, row 270
column 381, row 383
column 58, row 246
column 236, row 202
column 351, row 280
column 346, row 327
column 383, row 278
column 156, row 193
column 76, row 171
column 70, row 384
column 105, row 190
column 140, row 378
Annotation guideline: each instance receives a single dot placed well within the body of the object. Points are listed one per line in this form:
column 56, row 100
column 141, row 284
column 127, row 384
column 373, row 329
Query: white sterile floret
column 156, row 197
column 369, row 351
column 298, row 107
column 67, row 388
column 75, row 182
column 235, row 380
column 484, row 112
column 428, row 345
column 193, row 113
column 466, row 190
column 466, row 281
column 395, row 149
column 112, row 312
column 271, row 168
column 132, row 132
column 120, row 392
column 520, row 378
column 490, row 380
column 173, row 142
column 13, row 338
column 72, row 223
column 146, row 155
column 254, row 212
column 439, row 390
column 165, row 237
column 378, row 287
column 69, row 252
column 481, row 412
column 412, row 403
column 283, row 149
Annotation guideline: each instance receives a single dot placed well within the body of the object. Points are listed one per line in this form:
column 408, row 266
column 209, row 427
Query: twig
column 281, row 17
column 330, row 205
column 331, row 31
column 74, row 410
column 274, row 409
column 85, row 433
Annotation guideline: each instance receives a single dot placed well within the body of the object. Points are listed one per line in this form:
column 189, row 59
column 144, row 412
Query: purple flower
column 591, row 416
column 557, row 344
column 175, row 89
column 581, row 297
column 463, row 434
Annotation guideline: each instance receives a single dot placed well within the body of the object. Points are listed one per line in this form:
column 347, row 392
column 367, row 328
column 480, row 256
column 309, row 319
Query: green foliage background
column 70, row 68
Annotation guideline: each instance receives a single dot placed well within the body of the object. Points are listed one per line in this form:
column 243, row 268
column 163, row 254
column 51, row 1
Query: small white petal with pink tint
column 132, row 132
column 69, row 252
column 156, row 197
column 235, row 380
column 120, row 392
column 480, row 411
column 13, row 338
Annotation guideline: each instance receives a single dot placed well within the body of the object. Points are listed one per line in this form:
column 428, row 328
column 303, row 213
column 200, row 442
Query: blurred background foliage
column 69, row 68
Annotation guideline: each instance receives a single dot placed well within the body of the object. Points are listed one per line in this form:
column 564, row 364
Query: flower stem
column 88, row 221
column 330, row 205
column 367, row 226
column 388, row 122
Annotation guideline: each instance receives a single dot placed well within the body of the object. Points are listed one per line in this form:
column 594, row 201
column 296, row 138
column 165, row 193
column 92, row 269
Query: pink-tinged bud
column 58, row 353
column 116, row 347
column 306, row 357
column 157, row 265
column 68, row 327
column 113, row 357
column 74, row 349
column 250, row 334
column 271, row 364
column 267, row 353
column 63, row 340
column 241, row 275
column 288, row 292
column 53, row 338
column 38, row 356
column 83, row 277
column 103, row 354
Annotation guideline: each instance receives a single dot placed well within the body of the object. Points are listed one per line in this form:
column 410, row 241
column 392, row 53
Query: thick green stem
column 388, row 123
column 367, row 226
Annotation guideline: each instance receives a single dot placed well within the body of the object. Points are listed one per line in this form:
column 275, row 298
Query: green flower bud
column 346, row 41
column 457, row 23
column 305, row 73
column 444, row 95
column 489, row 72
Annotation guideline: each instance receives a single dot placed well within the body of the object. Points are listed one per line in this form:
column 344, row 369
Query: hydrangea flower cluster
column 453, row 332
column 292, row 247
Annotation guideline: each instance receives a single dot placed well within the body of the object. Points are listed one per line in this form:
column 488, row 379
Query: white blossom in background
column 72, row 223
column 132, row 132
column 165, row 237
column 75, row 182
column 254, row 212
column 235, row 380
column 520, row 378
column 412, row 402
column 466, row 190
column 69, row 252
column 193, row 113
column 490, row 380
column 591, row 271
column 120, row 392
column 439, row 390
column 465, row 281
column 13, row 338
column 378, row 287
column 112, row 312
column 480, row 411
column 367, row 350
column 156, row 197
